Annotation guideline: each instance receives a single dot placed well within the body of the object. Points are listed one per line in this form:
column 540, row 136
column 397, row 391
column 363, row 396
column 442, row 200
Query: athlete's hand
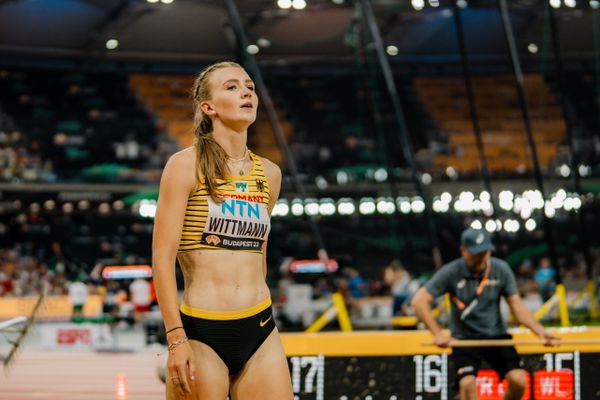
column 548, row 338
column 182, row 369
column 442, row 340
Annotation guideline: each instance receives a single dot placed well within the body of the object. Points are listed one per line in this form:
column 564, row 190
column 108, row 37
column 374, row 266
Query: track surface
column 82, row 375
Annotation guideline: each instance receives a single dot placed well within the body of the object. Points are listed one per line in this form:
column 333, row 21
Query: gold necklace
column 237, row 160
column 241, row 158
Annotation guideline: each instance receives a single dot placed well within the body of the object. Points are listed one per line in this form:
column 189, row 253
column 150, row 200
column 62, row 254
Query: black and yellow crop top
column 240, row 222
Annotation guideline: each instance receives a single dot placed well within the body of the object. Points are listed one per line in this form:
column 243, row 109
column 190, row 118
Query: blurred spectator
column 285, row 281
column 575, row 278
column 141, row 297
column 400, row 287
column 78, row 294
column 356, row 284
column 323, row 288
column 110, row 299
column 545, row 279
column 525, row 278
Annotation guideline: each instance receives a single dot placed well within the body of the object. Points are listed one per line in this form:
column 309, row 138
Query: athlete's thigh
column 212, row 376
column 266, row 375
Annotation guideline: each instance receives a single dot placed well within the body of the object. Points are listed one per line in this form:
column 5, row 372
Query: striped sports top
column 240, row 222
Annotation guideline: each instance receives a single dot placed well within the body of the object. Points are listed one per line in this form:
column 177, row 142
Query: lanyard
column 466, row 310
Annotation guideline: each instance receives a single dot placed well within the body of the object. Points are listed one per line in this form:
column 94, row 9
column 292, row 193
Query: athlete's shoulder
column 181, row 166
column 184, row 157
column 272, row 170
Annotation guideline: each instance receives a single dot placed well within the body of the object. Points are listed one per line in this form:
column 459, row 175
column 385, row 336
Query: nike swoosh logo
column 265, row 322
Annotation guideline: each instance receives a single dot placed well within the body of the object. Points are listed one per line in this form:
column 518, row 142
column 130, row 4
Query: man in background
column 476, row 282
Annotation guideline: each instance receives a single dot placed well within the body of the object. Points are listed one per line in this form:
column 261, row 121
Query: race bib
column 236, row 224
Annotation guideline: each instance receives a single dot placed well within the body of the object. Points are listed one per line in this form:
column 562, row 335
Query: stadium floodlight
column 392, row 50
column 490, row 225
column 299, row 4
column 118, row 205
column 451, row 173
column 67, row 208
column 281, row 208
column 385, row 205
column 380, row 175
column 584, row 170
column 284, row 4
column 346, row 206
column 49, row 205
column 498, row 225
column 147, row 208
column 418, row 4
column 512, row 225
column 417, row 205
column 426, row 178
column 341, row 177
column 577, row 203
column 506, row 200
column 485, row 196
column 434, row 3
column 366, row 206
column 327, row 207
column 440, row 206
column 594, row 4
column 321, row 182
column 564, row 170
column 549, row 210
column 555, row 3
column 446, row 197
column 252, row 49
column 311, row 207
column 526, row 211
column 476, row 224
column 112, row 44
column 34, row 207
column 530, row 225
column 297, row 207
column 263, row 42
column 533, row 48
column 571, row 3
column 104, row 208
column 403, row 205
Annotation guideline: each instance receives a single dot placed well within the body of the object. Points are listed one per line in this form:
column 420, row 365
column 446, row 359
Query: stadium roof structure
column 198, row 31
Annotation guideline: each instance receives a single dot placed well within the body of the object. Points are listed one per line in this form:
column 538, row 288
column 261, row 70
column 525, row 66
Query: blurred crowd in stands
column 70, row 126
column 24, row 272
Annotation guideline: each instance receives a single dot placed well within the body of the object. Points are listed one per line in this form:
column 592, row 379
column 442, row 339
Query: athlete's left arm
column 524, row 316
column 273, row 173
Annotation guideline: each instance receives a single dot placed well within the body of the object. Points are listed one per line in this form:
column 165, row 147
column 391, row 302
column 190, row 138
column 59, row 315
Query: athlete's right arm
column 177, row 182
column 421, row 303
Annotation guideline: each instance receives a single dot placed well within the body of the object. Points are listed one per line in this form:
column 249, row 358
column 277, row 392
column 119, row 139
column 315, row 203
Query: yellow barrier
column 559, row 297
column 54, row 307
column 338, row 308
column 590, row 290
column 398, row 343
column 562, row 305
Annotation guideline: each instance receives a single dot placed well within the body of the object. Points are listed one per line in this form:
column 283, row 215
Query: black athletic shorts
column 468, row 359
column 233, row 335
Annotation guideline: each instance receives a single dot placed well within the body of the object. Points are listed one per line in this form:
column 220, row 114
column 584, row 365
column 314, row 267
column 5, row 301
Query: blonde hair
column 211, row 158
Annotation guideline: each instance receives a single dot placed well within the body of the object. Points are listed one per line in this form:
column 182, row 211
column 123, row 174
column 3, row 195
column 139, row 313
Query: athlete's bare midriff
column 222, row 280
